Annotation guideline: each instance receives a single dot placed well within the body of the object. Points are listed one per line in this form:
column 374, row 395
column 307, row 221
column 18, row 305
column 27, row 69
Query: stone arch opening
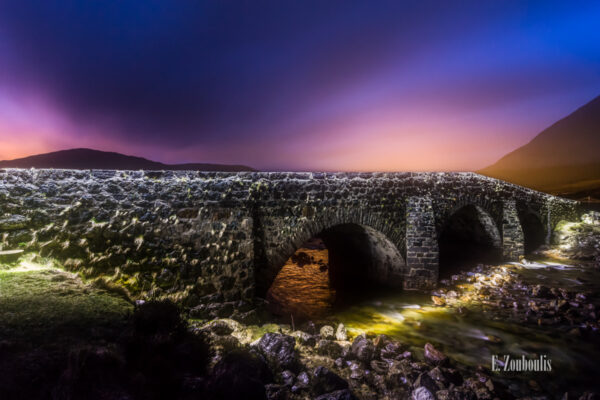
column 468, row 237
column 337, row 266
column 534, row 232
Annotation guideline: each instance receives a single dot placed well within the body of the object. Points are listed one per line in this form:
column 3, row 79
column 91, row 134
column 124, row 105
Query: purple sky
column 300, row 85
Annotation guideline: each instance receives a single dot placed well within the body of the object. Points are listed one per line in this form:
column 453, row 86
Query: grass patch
column 43, row 303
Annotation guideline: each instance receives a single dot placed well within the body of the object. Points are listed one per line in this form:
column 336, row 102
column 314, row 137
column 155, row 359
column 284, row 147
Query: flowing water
column 469, row 330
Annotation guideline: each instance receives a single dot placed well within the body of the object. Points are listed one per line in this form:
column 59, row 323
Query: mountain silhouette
column 563, row 159
column 96, row 159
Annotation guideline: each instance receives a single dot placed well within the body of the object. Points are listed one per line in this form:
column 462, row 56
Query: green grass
column 43, row 303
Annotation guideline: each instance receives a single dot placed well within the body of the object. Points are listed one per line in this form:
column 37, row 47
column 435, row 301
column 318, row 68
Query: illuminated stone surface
column 213, row 240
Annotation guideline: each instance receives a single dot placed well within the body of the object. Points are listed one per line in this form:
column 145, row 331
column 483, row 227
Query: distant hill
column 95, row 159
column 562, row 159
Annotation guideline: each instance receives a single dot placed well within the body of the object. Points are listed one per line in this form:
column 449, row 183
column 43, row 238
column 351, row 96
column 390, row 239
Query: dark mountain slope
column 565, row 154
column 95, row 159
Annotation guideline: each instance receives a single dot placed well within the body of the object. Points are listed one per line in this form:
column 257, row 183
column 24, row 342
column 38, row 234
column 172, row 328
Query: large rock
column 279, row 350
column 363, row 349
column 326, row 381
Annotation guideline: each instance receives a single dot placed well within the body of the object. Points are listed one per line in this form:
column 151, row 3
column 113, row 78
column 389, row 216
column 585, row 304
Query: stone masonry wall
column 210, row 239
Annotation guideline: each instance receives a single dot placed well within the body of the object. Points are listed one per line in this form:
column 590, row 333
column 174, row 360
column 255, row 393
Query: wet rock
column 362, row 349
column 279, row 350
column 288, row 377
column 327, row 332
column 422, row 393
column 340, row 333
column 434, row 356
column 326, row 381
column 356, row 370
column 337, row 395
column 329, row 348
column 302, row 382
column 390, row 351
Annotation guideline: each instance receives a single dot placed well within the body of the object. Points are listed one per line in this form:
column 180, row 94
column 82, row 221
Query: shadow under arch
column 358, row 257
column 468, row 236
column 534, row 232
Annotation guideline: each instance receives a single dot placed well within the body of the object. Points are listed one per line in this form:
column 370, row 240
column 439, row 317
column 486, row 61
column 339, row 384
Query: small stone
column 288, row 377
column 421, row 393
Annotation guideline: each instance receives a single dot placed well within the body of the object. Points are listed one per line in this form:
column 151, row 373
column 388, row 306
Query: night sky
column 296, row 85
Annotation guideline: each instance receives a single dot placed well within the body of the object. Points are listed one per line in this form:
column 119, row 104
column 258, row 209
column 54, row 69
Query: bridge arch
column 360, row 243
column 467, row 235
column 534, row 229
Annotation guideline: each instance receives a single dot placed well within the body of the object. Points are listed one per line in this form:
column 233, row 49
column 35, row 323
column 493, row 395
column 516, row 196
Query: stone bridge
column 221, row 238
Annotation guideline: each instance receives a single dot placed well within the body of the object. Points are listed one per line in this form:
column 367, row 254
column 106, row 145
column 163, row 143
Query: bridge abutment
column 513, row 239
column 422, row 252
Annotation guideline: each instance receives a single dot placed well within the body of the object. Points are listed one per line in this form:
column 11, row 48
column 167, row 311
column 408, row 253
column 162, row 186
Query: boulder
column 363, row 349
column 279, row 350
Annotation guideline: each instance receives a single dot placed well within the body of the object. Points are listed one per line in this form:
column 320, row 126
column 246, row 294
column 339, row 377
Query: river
column 480, row 313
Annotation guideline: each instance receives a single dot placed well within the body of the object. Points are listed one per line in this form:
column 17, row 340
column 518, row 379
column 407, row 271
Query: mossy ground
column 41, row 302
column 46, row 314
